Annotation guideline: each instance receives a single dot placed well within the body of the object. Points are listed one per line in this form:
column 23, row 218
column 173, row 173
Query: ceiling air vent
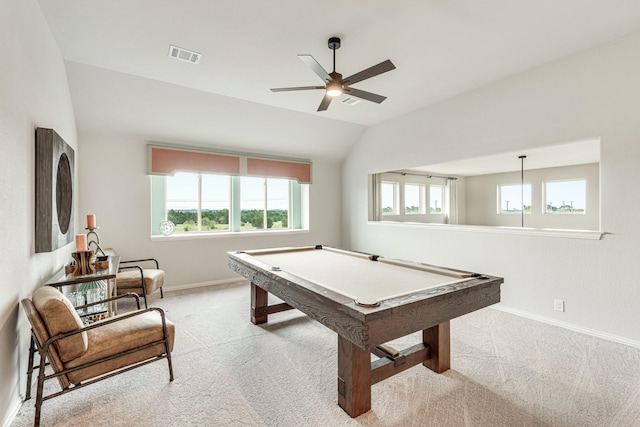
column 350, row 101
column 184, row 54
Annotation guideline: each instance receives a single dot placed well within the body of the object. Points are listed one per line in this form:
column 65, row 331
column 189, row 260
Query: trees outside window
column 197, row 202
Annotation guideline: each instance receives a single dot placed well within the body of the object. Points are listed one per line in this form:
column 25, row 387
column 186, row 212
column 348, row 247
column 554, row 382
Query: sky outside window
column 412, row 196
column 436, row 196
column 566, row 196
column 251, row 193
column 511, row 198
column 278, row 194
column 216, row 192
column 388, row 198
column 182, row 191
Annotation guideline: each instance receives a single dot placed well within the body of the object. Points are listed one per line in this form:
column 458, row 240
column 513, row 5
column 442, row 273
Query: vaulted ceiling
column 441, row 48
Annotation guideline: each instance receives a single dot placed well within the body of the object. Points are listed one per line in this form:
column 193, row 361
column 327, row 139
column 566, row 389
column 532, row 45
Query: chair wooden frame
column 43, row 350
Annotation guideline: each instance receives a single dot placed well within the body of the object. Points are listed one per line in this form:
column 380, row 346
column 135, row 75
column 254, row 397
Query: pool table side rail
column 417, row 314
column 364, row 326
column 360, row 312
column 305, row 296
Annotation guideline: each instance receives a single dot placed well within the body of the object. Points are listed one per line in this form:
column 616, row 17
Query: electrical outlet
column 558, row 305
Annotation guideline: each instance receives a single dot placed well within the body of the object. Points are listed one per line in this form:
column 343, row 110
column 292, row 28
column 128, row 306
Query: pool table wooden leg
column 439, row 339
column 354, row 378
column 259, row 302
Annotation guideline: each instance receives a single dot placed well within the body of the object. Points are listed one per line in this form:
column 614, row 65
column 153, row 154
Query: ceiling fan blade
column 316, row 67
column 364, row 95
column 286, row 89
column 325, row 102
column 380, row 68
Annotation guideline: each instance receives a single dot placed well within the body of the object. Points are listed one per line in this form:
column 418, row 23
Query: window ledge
column 541, row 232
column 225, row 234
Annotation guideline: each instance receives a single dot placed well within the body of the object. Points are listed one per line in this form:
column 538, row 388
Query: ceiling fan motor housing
column 334, row 43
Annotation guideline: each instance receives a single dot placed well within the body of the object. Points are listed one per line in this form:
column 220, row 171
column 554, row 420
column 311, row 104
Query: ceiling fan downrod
column 334, row 43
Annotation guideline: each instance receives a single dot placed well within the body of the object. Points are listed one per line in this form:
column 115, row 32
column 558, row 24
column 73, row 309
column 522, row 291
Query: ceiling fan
column 334, row 83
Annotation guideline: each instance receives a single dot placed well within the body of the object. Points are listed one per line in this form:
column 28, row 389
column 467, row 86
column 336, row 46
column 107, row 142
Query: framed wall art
column 54, row 191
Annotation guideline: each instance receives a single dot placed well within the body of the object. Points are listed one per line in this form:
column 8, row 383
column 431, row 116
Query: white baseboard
column 12, row 413
column 565, row 325
column 570, row 326
column 230, row 281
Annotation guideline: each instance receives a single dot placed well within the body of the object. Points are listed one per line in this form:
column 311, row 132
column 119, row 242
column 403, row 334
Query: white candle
column 81, row 242
column 91, row 221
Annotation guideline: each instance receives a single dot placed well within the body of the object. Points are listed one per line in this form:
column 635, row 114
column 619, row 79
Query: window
column 264, row 203
column 389, row 198
column 414, row 199
column 565, row 197
column 252, row 203
column 198, row 202
column 278, row 203
column 510, row 198
column 436, row 199
column 216, row 201
column 409, row 197
column 556, row 187
column 195, row 190
column 204, row 203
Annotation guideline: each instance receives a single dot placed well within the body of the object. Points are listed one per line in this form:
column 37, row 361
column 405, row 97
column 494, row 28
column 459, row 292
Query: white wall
column 595, row 93
column 116, row 188
column 33, row 93
column 481, row 201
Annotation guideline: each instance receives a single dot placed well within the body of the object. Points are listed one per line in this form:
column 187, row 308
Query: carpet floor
column 505, row 371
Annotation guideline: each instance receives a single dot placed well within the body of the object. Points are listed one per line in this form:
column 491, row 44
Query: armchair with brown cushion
column 81, row 355
column 139, row 276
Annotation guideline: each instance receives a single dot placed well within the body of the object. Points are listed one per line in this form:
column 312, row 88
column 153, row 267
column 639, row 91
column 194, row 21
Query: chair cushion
column 130, row 278
column 59, row 317
column 42, row 335
column 117, row 337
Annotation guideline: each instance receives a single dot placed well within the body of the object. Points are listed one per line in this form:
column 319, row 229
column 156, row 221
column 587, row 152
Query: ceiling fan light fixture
column 334, row 89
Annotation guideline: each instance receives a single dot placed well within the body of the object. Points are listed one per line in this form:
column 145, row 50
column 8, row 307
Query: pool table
column 368, row 300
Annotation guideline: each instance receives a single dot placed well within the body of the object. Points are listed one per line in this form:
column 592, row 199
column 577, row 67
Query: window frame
column 520, row 212
column 297, row 215
column 422, row 191
column 395, row 209
column 442, row 190
column 400, row 180
column 265, row 210
column 545, row 211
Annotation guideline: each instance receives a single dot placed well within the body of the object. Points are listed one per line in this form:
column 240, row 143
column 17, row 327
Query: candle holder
column 82, row 264
column 94, row 239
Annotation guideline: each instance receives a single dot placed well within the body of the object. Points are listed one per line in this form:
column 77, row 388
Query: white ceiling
column 441, row 48
column 573, row 153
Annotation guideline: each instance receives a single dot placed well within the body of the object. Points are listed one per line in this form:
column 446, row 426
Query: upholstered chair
column 139, row 276
column 81, row 355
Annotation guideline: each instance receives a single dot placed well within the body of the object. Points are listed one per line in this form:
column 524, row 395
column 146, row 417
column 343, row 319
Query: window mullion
column 290, row 211
column 199, row 202
column 295, row 215
column 235, row 214
column 264, row 212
